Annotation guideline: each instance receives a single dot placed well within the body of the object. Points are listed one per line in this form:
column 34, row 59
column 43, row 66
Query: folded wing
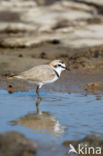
column 38, row 73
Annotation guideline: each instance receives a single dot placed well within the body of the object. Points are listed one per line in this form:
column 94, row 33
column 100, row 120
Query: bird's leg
column 37, row 106
column 39, row 98
column 37, row 92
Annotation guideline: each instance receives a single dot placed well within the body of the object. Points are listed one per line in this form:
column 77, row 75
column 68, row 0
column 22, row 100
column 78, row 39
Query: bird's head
column 59, row 66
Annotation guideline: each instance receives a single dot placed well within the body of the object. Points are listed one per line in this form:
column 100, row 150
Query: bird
column 42, row 74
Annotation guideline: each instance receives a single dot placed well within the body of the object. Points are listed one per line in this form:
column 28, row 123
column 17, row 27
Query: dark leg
column 39, row 98
column 37, row 92
column 37, row 106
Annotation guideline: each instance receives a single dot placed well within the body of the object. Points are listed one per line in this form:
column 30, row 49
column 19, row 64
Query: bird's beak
column 66, row 68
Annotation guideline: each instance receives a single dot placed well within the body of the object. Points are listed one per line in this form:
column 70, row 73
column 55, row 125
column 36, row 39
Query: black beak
column 66, row 68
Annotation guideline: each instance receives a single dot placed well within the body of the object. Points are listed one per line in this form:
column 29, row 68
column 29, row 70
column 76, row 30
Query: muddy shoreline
column 76, row 81
column 86, row 67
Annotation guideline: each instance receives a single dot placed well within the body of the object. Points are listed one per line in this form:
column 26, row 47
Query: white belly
column 50, row 81
column 44, row 82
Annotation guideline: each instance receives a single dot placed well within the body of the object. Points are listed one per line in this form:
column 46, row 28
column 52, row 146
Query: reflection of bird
column 43, row 123
column 43, row 74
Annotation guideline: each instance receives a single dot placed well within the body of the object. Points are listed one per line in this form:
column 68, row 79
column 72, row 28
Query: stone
column 14, row 144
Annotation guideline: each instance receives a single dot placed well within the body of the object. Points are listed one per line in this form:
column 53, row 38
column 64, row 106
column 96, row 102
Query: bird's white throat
column 58, row 70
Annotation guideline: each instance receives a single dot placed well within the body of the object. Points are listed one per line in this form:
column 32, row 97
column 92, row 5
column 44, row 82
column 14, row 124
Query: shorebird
column 43, row 74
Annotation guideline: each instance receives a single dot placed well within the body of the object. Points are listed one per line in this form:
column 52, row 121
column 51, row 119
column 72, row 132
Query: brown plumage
column 42, row 74
column 38, row 74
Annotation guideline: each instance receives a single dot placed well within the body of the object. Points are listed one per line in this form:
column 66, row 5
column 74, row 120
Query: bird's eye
column 58, row 65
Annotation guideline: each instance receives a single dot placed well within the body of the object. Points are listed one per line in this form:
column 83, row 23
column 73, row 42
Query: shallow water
column 60, row 117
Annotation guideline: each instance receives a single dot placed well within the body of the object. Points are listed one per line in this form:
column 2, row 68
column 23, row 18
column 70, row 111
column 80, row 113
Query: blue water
column 64, row 116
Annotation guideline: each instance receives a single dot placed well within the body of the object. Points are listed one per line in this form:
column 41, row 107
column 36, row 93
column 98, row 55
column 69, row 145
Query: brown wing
column 39, row 73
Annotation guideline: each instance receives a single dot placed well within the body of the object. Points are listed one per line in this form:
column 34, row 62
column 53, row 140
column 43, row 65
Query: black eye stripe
column 59, row 65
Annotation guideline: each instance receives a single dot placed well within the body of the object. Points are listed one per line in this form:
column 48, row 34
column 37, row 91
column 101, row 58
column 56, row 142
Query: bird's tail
column 11, row 77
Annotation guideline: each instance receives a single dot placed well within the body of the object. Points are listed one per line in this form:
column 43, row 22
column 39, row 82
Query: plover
column 43, row 74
